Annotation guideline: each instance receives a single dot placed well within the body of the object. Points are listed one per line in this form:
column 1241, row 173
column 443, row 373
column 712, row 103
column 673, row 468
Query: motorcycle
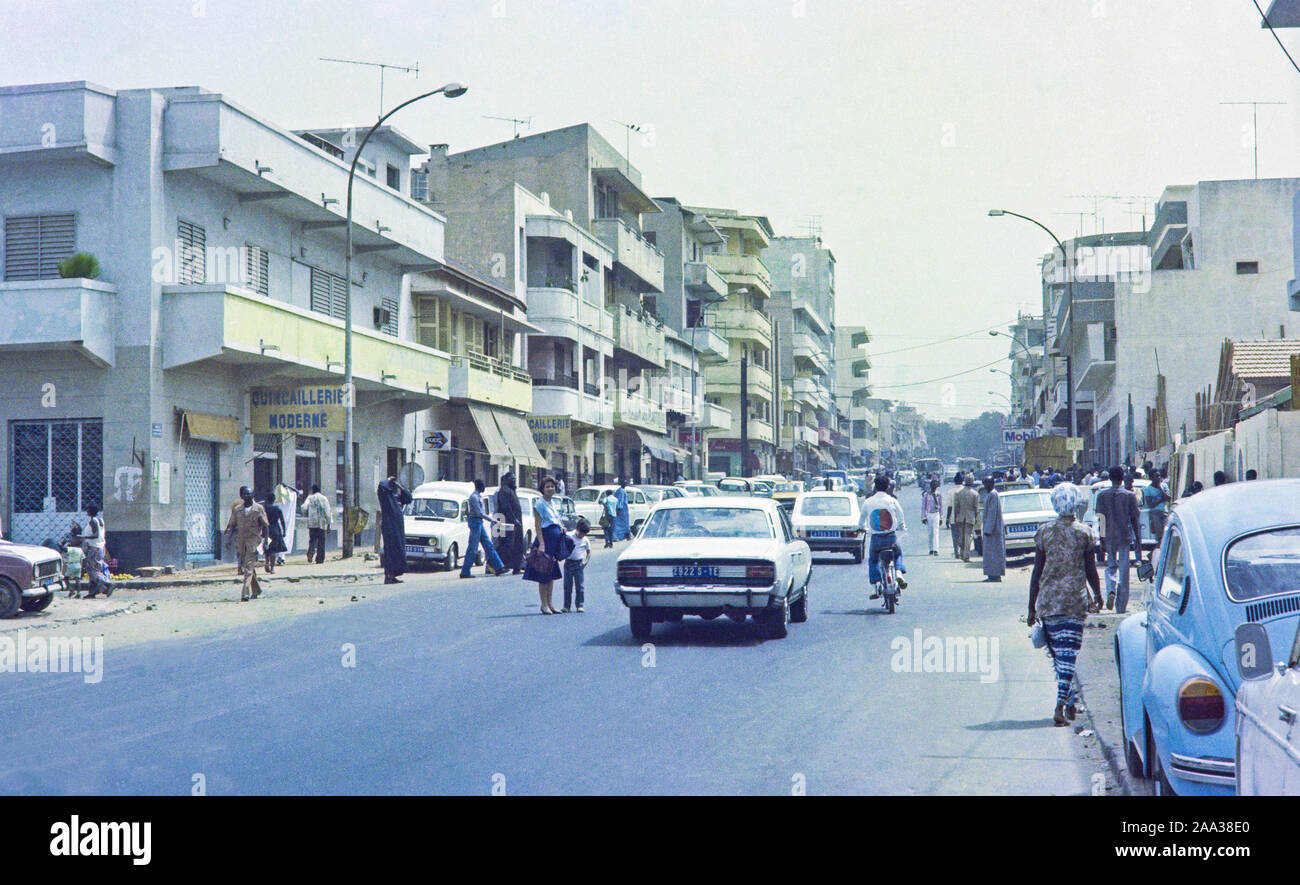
column 888, row 585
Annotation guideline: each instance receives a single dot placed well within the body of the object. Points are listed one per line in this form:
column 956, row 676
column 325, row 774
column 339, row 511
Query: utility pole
column 744, row 416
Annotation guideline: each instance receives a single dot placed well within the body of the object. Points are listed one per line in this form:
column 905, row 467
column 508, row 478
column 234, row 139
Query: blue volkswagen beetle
column 1229, row 555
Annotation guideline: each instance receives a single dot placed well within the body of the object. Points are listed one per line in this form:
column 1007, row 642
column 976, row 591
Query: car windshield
column 433, row 508
column 707, row 522
column 1263, row 565
column 820, row 506
column 1027, row 503
column 586, row 495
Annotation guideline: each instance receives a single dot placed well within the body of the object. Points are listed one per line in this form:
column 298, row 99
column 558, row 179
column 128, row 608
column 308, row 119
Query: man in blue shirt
column 476, row 518
column 1118, row 509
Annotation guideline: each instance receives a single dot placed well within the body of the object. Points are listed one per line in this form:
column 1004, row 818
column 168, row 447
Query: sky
column 895, row 124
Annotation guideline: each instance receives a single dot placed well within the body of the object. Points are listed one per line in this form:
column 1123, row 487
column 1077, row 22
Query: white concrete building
column 853, row 392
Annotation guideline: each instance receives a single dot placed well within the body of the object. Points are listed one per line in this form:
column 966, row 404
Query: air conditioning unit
column 383, row 316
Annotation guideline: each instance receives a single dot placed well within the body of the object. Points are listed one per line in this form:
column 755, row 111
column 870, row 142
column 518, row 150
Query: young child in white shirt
column 575, row 565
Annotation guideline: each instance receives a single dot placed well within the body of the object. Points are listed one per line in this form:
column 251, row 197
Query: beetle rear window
column 1265, row 564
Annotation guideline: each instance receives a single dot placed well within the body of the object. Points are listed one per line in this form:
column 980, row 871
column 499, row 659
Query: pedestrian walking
column 543, row 561
column 392, row 498
column 275, row 533
column 94, row 544
column 1121, row 529
column 995, row 548
column 1064, row 567
column 952, row 526
column 476, row 517
column 575, row 565
column 316, row 509
column 1155, row 497
column 234, row 508
column 559, row 486
column 288, row 497
column 510, row 547
column 622, row 530
column 248, row 527
column 608, row 516
column 965, row 508
column 932, row 514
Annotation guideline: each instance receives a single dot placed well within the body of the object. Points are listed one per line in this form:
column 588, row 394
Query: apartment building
column 744, row 321
column 208, row 353
column 853, row 393
column 803, row 310
column 591, row 279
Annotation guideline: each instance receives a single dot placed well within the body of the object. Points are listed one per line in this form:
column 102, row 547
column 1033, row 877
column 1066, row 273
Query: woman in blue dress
column 548, row 533
column 621, row 529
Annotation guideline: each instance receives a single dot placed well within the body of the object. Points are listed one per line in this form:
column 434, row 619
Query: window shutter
column 340, row 308
column 257, row 265
column 35, row 244
column 390, row 305
column 321, row 289
column 192, row 244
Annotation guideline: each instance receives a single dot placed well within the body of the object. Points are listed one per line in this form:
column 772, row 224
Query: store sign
column 552, row 432
column 319, row 408
column 1016, row 436
column 1074, row 444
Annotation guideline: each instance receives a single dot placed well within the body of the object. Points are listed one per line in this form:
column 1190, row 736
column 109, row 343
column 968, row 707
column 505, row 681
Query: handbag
column 539, row 560
column 1038, row 636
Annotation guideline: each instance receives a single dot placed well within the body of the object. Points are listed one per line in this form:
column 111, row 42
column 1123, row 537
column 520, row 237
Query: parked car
column 1093, row 520
column 1229, row 555
column 1023, row 512
column 709, row 557
column 1268, row 703
column 655, row 494
column 588, row 502
column 436, row 524
column 696, row 488
column 829, row 521
column 29, row 577
column 734, row 485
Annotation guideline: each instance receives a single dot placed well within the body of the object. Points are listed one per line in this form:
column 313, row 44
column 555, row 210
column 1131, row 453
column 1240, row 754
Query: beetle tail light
column 1200, row 705
column 630, row 572
column 764, row 573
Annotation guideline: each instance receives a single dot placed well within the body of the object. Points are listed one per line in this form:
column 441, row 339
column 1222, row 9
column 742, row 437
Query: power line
column 941, row 341
column 1268, row 24
column 934, row 380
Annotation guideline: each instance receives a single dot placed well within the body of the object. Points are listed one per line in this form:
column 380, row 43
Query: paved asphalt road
column 466, row 688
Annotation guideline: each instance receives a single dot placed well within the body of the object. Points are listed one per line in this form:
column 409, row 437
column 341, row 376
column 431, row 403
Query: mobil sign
column 1016, row 436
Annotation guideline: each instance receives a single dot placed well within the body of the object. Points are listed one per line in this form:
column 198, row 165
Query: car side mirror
column 1146, row 572
column 1254, row 656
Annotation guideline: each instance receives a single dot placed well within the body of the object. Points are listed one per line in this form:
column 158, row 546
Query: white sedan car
column 588, row 502
column 829, row 521
column 1023, row 511
column 436, row 523
column 715, row 556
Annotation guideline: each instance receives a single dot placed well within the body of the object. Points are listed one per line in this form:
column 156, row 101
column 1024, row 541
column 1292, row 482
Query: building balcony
column 76, row 315
column 734, row 323
column 798, row 435
column 632, row 252
column 225, row 324
column 743, row 270
column 476, row 378
column 760, row 431
column 806, row 306
column 635, row 410
column 639, row 334
column 715, row 418
column 205, row 134
column 711, row 347
column 703, row 282
column 726, row 379
column 808, row 354
column 562, row 314
column 562, row 400
column 57, row 121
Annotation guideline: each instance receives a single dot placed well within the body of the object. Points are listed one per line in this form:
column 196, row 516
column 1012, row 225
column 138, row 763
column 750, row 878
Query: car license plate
column 53, row 579
column 411, row 548
column 824, row 533
column 1021, row 529
column 695, row 571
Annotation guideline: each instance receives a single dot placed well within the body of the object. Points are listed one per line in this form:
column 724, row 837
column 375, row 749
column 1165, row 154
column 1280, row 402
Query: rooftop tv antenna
column 526, row 122
column 406, row 69
column 812, row 227
column 627, row 156
column 1254, row 109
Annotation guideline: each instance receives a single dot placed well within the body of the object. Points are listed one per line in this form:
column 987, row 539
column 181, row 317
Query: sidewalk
column 363, row 563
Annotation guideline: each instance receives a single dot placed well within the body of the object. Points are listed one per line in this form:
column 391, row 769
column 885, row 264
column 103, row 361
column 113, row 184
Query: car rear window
column 586, row 494
column 1027, row 503
column 707, row 522
column 825, row 507
column 1265, row 564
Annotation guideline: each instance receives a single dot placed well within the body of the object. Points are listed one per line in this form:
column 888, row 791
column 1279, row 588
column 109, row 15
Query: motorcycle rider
column 882, row 519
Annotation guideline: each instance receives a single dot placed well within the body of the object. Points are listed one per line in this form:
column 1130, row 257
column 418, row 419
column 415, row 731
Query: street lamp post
column 1069, row 314
column 451, row 90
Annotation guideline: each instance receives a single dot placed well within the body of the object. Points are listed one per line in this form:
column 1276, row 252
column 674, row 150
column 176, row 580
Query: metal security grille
column 35, row 244
column 327, row 293
column 257, row 267
column 200, row 500
column 191, row 247
column 57, row 471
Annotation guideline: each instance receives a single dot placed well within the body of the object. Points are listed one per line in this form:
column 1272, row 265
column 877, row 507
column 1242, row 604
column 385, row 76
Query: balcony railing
column 563, row 314
column 733, row 322
column 711, row 347
column 639, row 411
column 556, row 380
column 743, row 270
column 73, row 314
column 632, row 251
column 482, row 379
column 704, row 282
column 639, row 334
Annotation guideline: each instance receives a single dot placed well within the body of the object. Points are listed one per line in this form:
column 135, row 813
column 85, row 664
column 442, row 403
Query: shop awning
column 520, row 439
column 497, row 447
column 658, row 446
column 825, row 457
column 212, row 428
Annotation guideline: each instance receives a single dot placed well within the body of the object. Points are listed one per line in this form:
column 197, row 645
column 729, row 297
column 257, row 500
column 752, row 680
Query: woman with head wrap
column 1063, row 564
